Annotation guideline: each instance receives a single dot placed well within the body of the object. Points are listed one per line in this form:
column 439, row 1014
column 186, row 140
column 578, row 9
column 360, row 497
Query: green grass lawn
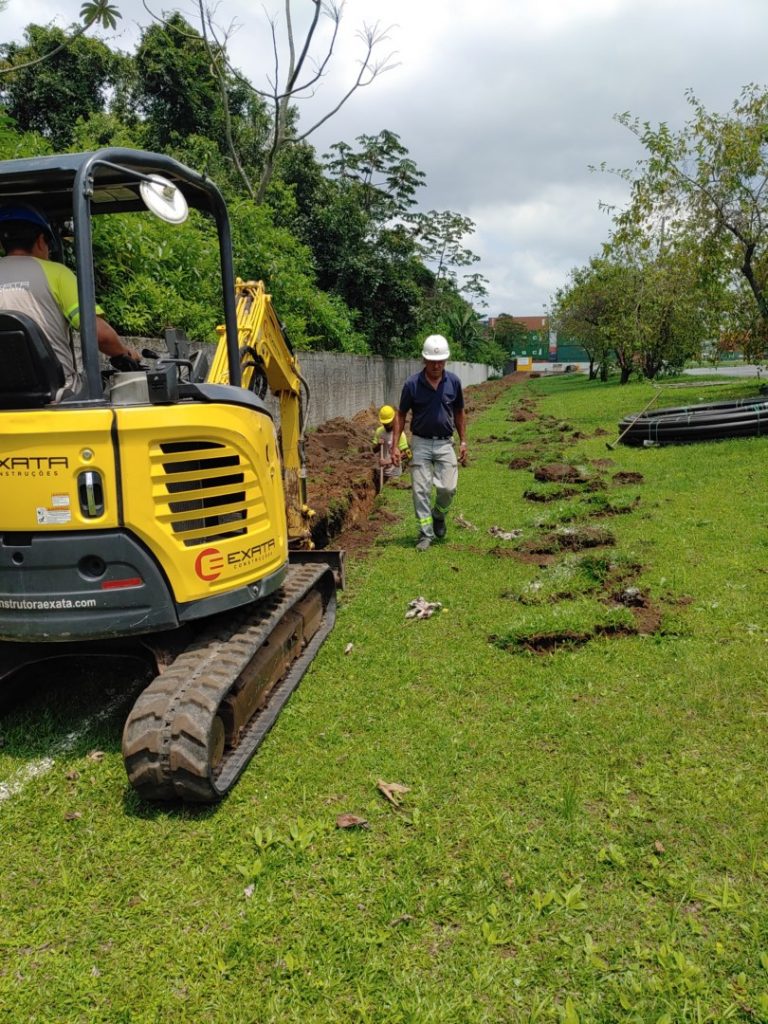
column 584, row 837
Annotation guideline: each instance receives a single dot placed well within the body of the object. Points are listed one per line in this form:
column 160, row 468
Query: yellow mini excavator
column 158, row 513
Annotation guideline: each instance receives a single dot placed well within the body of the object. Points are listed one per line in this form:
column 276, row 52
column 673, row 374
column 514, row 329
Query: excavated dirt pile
column 342, row 481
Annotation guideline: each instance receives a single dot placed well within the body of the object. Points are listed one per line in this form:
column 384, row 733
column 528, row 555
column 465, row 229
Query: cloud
column 505, row 106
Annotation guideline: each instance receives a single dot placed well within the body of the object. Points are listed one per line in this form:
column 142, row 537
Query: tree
column 470, row 340
column 181, row 97
column 151, row 275
column 356, row 225
column 475, row 286
column 579, row 312
column 381, row 171
column 644, row 308
column 57, row 78
column 710, row 180
column 439, row 236
column 93, row 12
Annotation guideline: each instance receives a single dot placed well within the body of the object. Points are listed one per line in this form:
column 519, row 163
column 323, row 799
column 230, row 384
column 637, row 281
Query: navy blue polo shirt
column 432, row 409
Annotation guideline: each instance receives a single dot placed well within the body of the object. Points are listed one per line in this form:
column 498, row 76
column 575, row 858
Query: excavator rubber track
column 173, row 742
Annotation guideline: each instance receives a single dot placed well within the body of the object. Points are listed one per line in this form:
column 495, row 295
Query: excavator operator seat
column 31, row 375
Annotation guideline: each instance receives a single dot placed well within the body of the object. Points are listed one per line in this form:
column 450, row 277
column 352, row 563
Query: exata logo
column 208, row 564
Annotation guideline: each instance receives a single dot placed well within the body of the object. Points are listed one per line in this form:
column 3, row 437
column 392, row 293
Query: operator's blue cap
column 27, row 214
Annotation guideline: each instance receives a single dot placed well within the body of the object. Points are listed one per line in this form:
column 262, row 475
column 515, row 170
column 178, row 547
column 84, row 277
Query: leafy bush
column 150, row 276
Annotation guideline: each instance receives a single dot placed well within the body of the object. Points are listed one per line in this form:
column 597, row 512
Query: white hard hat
column 435, row 348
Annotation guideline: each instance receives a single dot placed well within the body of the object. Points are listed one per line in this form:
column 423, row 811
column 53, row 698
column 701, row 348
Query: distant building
column 541, row 342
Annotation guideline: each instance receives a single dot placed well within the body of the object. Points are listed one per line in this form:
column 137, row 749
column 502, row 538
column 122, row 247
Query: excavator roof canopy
column 111, row 177
column 78, row 186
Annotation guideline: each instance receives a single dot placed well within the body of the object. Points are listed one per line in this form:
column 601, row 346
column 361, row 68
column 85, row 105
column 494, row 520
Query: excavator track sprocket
column 179, row 742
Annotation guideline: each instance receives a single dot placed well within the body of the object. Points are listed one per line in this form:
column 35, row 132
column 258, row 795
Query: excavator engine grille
column 204, row 491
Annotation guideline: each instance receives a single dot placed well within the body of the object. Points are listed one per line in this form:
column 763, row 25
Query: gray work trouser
column 434, row 463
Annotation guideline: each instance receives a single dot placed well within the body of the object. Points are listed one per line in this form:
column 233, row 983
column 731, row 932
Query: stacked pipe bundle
column 714, row 421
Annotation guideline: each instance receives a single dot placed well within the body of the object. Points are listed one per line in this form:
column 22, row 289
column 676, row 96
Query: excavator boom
column 267, row 363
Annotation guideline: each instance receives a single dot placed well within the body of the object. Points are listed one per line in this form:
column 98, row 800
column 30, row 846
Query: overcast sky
column 505, row 104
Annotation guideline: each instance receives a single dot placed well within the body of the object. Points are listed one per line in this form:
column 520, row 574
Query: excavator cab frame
column 75, row 187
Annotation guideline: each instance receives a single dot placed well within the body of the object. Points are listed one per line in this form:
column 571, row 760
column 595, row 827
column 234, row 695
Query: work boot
column 423, row 542
column 438, row 524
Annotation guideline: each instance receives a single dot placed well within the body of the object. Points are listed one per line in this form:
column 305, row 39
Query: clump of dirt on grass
column 600, row 507
column 646, row 615
column 570, row 538
column 541, row 643
column 520, row 463
column 625, row 477
column 539, row 558
column 559, row 494
column 577, row 575
column 550, row 642
column 561, row 472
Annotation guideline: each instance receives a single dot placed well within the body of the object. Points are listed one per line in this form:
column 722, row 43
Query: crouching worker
column 382, row 442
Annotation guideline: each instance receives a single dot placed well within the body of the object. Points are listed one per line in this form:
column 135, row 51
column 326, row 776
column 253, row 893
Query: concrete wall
column 342, row 385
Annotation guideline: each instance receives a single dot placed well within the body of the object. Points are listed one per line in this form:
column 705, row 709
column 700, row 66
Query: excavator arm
column 267, row 362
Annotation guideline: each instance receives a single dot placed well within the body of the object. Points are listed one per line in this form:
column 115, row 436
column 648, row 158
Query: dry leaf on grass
column 348, row 648
column 351, row 821
column 73, row 815
column 96, row 755
column 393, row 791
column 659, row 847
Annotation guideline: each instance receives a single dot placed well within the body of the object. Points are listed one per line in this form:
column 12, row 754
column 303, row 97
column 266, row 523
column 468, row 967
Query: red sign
column 208, row 564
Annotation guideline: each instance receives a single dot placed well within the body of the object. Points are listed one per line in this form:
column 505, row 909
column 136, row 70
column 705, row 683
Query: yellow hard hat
column 386, row 414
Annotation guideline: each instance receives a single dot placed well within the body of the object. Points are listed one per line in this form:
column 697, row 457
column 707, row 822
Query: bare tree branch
column 218, row 69
column 280, row 97
column 374, row 70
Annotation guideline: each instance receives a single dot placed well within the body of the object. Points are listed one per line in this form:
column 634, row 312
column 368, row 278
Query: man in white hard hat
column 436, row 402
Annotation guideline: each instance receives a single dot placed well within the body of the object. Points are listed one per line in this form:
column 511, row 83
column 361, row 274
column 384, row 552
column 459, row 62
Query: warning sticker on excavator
column 53, row 516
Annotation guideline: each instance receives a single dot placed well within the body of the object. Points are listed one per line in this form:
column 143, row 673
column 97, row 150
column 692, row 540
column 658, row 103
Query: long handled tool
column 610, row 445
column 381, row 465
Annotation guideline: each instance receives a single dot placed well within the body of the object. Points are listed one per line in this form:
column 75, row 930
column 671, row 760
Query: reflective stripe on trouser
column 434, row 463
